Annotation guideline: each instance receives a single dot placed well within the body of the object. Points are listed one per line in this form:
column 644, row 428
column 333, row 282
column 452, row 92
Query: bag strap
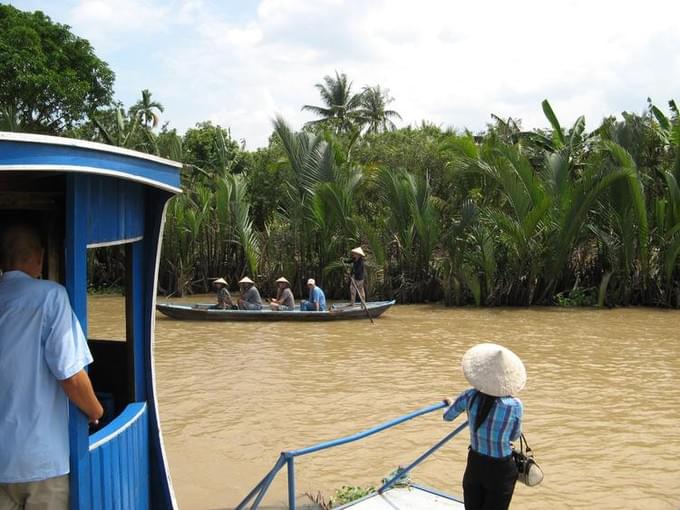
column 523, row 445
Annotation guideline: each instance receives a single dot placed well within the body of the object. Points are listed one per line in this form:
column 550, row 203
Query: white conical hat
column 220, row 280
column 358, row 251
column 245, row 279
column 282, row 280
column 494, row 370
column 311, row 281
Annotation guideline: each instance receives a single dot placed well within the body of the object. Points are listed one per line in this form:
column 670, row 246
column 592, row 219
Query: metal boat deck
column 413, row 497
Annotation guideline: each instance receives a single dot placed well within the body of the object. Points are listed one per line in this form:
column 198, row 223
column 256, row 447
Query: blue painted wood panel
column 115, row 209
column 140, row 323
column 76, row 284
column 119, row 461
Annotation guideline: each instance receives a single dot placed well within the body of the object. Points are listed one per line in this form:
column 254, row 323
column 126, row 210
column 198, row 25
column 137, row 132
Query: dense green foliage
column 49, row 78
column 565, row 215
column 505, row 217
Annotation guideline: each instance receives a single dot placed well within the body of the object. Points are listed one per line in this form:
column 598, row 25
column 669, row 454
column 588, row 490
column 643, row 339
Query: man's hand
column 79, row 390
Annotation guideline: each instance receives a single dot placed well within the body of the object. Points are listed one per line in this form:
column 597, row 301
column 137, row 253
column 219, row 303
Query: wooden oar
column 361, row 299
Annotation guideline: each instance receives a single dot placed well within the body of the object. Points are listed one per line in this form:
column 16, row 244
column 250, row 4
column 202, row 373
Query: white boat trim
column 84, row 144
column 119, row 430
column 152, row 368
column 92, row 170
column 116, row 242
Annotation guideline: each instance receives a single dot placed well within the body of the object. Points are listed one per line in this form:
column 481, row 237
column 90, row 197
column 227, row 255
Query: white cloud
column 112, row 25
column 452, row 63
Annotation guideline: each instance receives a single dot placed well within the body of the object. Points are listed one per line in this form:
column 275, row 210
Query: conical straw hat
column 282, row 280
column 220, row 280
column 245, row 279
column 494, row 370
column 358, row 251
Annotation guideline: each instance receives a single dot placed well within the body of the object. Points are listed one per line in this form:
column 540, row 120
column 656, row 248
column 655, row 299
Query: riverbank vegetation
column 571, row 215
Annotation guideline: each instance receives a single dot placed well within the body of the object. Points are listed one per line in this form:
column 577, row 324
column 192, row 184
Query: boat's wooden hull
column 202, row 312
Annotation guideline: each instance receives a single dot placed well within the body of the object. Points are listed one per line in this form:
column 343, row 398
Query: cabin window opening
column 110, row 328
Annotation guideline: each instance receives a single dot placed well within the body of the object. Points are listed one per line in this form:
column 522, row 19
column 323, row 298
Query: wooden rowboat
column 205, row 312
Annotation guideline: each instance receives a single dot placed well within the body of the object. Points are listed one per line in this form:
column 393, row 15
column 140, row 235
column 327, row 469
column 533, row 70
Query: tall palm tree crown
column 340, row 105
column 147, row 110
column 373, row 113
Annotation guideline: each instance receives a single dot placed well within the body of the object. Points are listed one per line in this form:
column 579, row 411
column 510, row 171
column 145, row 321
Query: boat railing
column 119, row 461
column 287, row 458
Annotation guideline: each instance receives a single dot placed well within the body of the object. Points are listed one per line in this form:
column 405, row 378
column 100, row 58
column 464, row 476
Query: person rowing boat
column 357, row 276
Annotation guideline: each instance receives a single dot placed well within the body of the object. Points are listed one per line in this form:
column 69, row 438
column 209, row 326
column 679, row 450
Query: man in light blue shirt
column 43, row 353
column 317, row 299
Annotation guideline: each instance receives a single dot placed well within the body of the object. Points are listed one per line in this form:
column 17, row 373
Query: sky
column 239, row 63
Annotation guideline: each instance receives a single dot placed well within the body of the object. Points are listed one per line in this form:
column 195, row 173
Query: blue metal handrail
column 405, row 471
column 288, row 457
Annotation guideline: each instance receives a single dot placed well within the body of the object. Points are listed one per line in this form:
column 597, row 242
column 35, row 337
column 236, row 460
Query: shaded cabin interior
column 39, row 198
column 86, row 196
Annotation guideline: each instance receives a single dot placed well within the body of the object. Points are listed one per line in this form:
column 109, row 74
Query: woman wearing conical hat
column 494, row 419
column 285, row 301
column 224, row 301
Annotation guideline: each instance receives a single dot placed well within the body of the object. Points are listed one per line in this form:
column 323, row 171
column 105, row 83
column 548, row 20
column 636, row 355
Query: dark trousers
column 488, row 482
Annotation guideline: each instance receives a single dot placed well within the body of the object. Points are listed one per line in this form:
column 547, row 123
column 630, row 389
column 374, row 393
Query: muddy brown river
column 602, row 401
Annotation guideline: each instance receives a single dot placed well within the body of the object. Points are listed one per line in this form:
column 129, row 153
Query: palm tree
column 320, row 206
column 147, row 110
column 184, row 221
column 373, row 114
column 311, row 162
column 667, row 206
column 233, row 209
column 340, row 109
column 412, row 229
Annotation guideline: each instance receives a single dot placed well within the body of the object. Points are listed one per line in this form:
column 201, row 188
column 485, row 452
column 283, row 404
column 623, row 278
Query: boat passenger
column 357, row 275
column 285, row 301
column 43, row 353
column 224, row 301
column 494, row 419
column 250, row 296
column 317, row 299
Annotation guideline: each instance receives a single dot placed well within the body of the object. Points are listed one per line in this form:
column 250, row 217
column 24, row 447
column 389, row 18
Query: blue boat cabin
column 87, row 195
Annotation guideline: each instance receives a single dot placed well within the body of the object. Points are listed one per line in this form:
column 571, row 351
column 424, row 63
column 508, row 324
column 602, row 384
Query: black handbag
column 528, row 472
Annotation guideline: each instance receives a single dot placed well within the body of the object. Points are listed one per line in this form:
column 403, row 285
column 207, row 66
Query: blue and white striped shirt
column 502, row 425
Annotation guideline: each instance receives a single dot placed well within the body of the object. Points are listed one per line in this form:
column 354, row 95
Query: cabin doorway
column 39, row 199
